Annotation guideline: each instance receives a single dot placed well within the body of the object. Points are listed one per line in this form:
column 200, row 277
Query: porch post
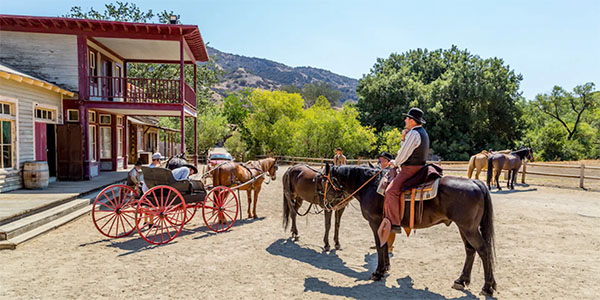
column 182, row 131
column 84, row 92
column 125, row 136
column 125, row 86
column 181, row 93
column 114, row 142
column 195, row 138
column 195, row 91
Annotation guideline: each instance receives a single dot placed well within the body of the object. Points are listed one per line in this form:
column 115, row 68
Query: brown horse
column 464, row 201
column 511, row 162
column 479, row 161
column 247, row 176
column 303, row 183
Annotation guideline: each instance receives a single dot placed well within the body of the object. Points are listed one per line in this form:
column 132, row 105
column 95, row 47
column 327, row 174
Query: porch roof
column 132, row 41
column 7, row 72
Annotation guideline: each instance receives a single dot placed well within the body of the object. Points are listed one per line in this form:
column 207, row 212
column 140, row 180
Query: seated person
column 185, row 172
column 156, row 157
column 134, row 177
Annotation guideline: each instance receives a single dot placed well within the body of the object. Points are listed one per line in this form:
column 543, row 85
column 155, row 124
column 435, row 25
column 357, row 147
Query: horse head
column 270, row 166
column 530, row 154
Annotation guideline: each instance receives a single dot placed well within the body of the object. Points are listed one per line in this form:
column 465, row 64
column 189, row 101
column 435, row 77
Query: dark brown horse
column 247, row 176
column 303, row 183
column 511, row 162
column 464, row 201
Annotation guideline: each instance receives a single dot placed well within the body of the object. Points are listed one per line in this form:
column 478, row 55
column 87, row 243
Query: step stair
column 23, row 229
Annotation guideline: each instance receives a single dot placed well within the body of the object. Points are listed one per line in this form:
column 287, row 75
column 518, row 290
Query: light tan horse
column 479, row 161
column 252, row 173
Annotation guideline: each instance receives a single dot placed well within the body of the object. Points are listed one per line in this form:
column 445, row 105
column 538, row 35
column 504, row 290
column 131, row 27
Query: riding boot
column 384, row 231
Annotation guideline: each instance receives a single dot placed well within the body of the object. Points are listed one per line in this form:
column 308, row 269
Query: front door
column 69, row 154
column 41, row 141
column 107, row 80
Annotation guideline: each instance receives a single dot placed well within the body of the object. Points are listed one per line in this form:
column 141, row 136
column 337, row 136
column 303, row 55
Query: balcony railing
column 140, row 90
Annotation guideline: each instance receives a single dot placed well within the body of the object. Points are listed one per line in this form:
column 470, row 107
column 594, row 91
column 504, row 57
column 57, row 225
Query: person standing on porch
column 339, row 158
column 412, row 156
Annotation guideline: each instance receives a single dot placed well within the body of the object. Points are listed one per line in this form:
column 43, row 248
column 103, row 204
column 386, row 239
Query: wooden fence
column 462, row 166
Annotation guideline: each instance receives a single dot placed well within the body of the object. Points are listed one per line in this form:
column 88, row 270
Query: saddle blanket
column 426, row 191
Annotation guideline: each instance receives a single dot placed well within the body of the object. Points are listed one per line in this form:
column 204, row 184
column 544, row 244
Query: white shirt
column 412, row 141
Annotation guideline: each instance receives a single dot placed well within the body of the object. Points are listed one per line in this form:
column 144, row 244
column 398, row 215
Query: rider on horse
column 412, row 156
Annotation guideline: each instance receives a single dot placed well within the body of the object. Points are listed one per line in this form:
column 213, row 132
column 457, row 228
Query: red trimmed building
column 98, row 129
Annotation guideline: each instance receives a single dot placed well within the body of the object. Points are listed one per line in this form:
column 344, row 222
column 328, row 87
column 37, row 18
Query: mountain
column 251, row 72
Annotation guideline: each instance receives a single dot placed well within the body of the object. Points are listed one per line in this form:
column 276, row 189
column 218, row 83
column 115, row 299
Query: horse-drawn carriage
column 160, row 213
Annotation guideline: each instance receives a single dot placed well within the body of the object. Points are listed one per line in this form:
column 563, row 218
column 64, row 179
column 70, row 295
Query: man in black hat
column 412, row 156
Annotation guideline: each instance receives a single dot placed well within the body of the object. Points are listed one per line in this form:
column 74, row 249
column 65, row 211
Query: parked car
column 215, row 158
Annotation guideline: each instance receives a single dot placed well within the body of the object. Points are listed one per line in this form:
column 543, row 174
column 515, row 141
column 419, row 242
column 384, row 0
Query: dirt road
column 548, row 247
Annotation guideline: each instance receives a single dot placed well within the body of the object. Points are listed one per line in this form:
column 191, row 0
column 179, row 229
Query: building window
column 92, row 62
column 119, row 142
column 6, row 109
column 105, row 119
column 45, row 114
column 105, row 142
column 120, row 121
column 92, row 117
column 93, row 134
column 72, row 115
column 7, row 145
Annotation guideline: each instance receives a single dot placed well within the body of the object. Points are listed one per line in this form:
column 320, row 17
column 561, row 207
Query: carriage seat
column 162, row 176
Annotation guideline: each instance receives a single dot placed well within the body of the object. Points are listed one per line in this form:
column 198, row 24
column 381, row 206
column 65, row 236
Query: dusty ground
column 548, row 247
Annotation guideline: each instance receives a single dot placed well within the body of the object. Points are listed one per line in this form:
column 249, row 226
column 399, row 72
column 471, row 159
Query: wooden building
column 88, row 60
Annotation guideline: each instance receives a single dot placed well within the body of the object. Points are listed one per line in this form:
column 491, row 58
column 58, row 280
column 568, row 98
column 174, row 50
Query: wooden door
column 41, row 141
column 69, row 152
column 107, row 80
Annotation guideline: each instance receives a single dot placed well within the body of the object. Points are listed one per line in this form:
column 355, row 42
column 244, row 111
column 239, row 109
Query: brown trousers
column 393, row 194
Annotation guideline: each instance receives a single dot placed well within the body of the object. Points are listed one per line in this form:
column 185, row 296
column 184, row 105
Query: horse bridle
column 346, row 200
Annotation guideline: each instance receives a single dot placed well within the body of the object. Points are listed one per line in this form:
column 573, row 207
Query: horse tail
column 287, row 198
column 486, row 226
column 490, row 170
column 471, row 166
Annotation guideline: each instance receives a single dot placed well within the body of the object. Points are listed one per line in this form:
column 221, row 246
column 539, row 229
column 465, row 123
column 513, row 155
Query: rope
column 345, row 202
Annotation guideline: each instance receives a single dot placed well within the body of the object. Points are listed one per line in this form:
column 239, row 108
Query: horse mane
column 356, row 175
column 521, row 152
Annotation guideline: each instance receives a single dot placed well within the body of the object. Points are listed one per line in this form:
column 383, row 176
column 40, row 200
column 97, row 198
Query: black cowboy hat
column 191, row 167
column 416, row 114
column 386, row 155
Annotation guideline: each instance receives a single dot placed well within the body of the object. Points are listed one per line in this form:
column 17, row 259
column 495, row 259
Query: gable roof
column 10, row 73
column 109, row 29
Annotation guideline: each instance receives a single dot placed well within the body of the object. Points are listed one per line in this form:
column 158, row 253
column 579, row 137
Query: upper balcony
column 141, row 90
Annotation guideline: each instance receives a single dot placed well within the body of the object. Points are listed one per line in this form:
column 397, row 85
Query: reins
column 346, row 200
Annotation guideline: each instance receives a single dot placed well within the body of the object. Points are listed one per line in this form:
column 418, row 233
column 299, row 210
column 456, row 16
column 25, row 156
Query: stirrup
column 384, row 231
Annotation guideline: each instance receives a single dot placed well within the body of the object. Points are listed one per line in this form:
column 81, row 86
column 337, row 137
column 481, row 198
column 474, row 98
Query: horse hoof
column 376, row 277
column 338, row 247
column 458, row 286
column 326, row 248
column 255, row 217
column 485, row 293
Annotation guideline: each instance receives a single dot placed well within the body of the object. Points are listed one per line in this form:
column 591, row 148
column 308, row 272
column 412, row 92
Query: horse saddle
column 425, row 191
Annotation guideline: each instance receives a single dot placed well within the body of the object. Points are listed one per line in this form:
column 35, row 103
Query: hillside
column 251, row 72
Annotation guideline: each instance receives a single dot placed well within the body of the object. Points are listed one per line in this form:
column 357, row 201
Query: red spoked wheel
column 220, row 209
column 189, row 214
column 160, row 215
column 114, row 211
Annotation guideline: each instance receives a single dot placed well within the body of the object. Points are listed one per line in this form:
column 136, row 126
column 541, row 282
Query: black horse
column 303, row 183
column 464, row 201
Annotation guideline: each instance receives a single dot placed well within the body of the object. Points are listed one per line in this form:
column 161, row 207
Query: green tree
column 470, row 103
column 312, row 91
column 564, row 106
column 292, row 89
column 392, row 140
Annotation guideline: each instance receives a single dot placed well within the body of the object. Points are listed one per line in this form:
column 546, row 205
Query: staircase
column 24, row 227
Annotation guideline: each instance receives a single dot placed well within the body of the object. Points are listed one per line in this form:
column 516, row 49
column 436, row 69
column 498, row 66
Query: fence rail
column 455, row 166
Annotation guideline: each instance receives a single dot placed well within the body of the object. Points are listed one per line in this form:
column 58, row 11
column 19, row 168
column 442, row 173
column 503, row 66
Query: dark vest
column 419, row 156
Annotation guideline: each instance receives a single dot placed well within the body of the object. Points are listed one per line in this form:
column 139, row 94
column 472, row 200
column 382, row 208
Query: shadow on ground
column 377, row 290
column 322, row 260
column 138, row 244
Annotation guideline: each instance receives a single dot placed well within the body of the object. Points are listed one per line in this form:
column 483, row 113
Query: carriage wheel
column 160, row 215
column 220, row 209
column 114, row 211
column 189, row 214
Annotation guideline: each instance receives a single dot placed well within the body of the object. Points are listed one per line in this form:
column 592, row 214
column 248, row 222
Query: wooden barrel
column 35, row 175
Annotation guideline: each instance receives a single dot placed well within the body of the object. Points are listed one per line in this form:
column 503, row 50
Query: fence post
column 581, row 175
column 322, row 162
column 524, row 171
column 358, row 161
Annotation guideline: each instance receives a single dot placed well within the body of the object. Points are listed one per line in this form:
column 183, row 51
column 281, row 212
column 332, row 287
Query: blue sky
column 548, row 42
